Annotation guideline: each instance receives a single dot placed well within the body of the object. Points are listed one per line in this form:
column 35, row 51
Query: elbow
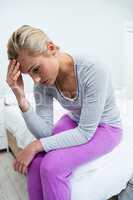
column 41, row 133
column 87, row 134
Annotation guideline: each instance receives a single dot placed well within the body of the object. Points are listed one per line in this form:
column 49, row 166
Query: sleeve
column 40, row 121
column 94, row 98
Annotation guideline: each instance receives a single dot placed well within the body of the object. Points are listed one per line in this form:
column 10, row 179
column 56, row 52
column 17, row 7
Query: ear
column 51, row 48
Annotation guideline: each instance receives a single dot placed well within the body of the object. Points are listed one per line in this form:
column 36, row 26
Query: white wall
column 129, row 59
column 92, row 27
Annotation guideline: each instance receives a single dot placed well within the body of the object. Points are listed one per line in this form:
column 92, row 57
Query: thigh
column 67, row 159
column 64, row 123
column 35, row 163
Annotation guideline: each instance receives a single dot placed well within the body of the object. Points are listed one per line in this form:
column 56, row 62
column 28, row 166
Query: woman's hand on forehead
column 14, row 77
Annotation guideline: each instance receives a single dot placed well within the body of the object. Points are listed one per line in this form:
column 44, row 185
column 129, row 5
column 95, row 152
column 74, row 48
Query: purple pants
column 49, row 173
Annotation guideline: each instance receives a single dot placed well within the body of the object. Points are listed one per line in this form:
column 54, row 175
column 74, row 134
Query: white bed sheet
column 97, row 180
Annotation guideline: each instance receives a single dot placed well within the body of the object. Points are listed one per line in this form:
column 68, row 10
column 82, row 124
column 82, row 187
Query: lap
column 102, row 142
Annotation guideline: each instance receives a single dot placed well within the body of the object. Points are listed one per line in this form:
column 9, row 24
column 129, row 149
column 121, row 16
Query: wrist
column 18, row 94
column 23, row 104
column 37, row 146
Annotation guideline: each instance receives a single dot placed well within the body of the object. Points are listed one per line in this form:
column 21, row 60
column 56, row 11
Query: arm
column 92, row 108
column 40, row 123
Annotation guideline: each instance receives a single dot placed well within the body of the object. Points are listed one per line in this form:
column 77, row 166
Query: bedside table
column 3, row 135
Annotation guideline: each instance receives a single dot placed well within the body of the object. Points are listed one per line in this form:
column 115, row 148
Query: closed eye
column 35, row 70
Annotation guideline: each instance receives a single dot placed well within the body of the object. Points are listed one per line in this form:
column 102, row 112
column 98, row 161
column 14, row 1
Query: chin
column 52, row 82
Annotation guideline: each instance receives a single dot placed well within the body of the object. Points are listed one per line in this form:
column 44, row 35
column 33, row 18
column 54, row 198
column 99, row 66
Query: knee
column 50, row 165
column 35, row 164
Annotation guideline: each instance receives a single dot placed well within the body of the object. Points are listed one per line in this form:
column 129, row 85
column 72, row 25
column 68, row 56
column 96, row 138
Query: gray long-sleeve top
column 93, row 104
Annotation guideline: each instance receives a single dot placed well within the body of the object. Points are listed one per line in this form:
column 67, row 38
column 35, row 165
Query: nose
column 36, row 79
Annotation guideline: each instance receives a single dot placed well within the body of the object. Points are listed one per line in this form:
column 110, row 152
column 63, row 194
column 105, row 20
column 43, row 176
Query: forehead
column 25, row 61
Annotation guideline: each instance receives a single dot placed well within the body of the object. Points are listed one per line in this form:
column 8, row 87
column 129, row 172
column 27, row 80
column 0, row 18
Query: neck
column 65, row 67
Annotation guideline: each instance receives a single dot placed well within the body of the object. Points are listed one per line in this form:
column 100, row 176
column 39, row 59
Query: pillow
column 10, row 99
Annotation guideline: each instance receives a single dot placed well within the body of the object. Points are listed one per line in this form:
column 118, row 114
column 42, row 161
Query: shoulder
column 90, row 68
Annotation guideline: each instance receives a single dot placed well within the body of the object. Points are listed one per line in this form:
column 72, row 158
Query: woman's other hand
column 26, row 156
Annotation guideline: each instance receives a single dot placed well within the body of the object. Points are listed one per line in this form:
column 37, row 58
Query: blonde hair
column 30, row 38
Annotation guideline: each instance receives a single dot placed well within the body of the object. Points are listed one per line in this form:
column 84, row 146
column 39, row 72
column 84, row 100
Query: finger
column 20, row 168
column 14, row 163
column 16, row 167
column 11, row 65
column 11, row 81
column 16, row 76
column 24, row 169
column 16, row 68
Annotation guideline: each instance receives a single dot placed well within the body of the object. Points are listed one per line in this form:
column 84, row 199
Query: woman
column 91, row 128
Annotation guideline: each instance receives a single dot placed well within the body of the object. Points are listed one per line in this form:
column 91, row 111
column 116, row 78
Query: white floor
column 12, row 184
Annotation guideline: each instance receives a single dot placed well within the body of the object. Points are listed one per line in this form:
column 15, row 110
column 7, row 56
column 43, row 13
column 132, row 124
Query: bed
column 99, row 180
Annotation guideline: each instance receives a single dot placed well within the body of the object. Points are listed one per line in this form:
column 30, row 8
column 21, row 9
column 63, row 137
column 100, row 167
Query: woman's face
column 41, row 68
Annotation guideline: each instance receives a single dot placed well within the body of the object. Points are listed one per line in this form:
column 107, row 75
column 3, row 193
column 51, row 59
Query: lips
column 44, row 82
